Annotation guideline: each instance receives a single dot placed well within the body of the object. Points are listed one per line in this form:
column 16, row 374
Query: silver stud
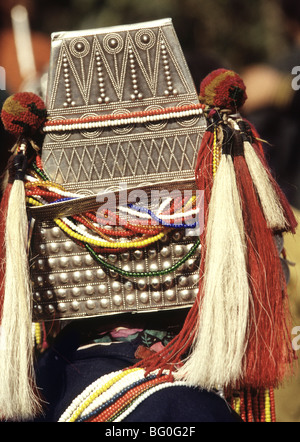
column 116, row 286
column 130, row 299
column 128, row 285
column 102, row 289
column 142, row 284
column 155, row 283
column 177, row 236
column 77, row 277
column 90, row 304
column 182, row 281
column 54, row 247
column 117, row 300
column 52, row 263
column 43, row 249
column 138, row 254
column 170, row 295
column 88, row 275
column 195, row 278
column 104, row 303
column 114, row 274
column 178, row 251
column 165, row 252
column 112, row 258
column 77, row 260
column 152, row 253
column 125, row 256
column 38, row 310
column 126, row 267
column 100, row 274
column 156, row 296
column 56, row 232
column 41, row 264
column 62, row 293
column 153, row 267
column 185, row 295
column 64, row 262
column 62, row 307
column 76, row 291
column 168, row 282
column 191, row 264
column 64, row 278
column 50, row 309
column 144, row 297
column 89, row 260
column 75, row 305
column 90, row 290
column 51, row 280
column 37, row 296
column 140, row 267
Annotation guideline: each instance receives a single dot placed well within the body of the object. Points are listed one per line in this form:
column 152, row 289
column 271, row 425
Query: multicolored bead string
column 254, row 405
column 114, row 396
column 110, row 120
column 86, row 230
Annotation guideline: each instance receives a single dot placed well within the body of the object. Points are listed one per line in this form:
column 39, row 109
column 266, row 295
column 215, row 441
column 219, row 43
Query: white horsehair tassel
column 18, row 399
column 220, row 341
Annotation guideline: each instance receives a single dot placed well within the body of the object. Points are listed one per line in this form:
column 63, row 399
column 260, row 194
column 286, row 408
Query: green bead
column 139, row 274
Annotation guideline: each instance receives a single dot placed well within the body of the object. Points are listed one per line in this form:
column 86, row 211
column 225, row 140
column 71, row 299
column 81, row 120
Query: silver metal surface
column 115, row 70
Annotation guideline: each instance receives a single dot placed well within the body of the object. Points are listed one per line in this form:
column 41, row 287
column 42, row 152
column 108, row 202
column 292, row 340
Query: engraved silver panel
column 120, row 70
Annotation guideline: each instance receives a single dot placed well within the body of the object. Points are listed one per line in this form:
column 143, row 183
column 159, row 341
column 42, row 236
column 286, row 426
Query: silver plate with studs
column 68, row 283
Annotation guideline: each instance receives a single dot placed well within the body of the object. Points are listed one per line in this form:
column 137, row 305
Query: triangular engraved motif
column 114, row 70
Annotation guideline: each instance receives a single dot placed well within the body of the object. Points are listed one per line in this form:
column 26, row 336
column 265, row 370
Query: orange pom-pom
column 223, row 89
column 23, row 113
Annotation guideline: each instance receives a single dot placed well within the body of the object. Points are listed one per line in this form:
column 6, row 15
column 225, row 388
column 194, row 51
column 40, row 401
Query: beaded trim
column 112, row 120
column 254, row 405
column 112, row 397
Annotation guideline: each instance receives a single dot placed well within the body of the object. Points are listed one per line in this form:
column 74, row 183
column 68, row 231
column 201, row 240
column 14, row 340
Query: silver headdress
column 136, row 80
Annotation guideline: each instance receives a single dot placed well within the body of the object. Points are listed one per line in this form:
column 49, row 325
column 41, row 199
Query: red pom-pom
column 224, row 89
column 23, row 114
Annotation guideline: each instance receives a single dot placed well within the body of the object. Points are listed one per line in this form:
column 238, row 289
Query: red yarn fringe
column 289, row 214
column 171, row 356
column 269, row 350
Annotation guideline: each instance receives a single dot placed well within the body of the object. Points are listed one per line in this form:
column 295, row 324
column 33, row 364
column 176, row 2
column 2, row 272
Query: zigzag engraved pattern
column 121, row 159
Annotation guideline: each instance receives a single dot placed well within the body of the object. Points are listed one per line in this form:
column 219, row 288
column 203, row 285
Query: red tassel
column 258, row 147
column 204, row 167
column 269, row 348
column 171, row 356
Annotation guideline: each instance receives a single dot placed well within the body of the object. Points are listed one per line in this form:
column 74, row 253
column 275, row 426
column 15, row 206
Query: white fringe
column 269, row 199
column 17, row 399
column 217, row 355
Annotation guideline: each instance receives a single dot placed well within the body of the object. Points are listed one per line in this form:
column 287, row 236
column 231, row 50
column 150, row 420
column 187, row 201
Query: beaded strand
column 101, row 385
column 111, row 120
column 255, row 406
column 137, row 274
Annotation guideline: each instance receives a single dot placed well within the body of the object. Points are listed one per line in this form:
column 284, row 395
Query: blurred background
column 260, row 39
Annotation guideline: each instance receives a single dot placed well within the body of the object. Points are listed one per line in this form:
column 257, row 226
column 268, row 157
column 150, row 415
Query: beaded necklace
column 111, row 120
column 114, row 396
column 86, row 230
